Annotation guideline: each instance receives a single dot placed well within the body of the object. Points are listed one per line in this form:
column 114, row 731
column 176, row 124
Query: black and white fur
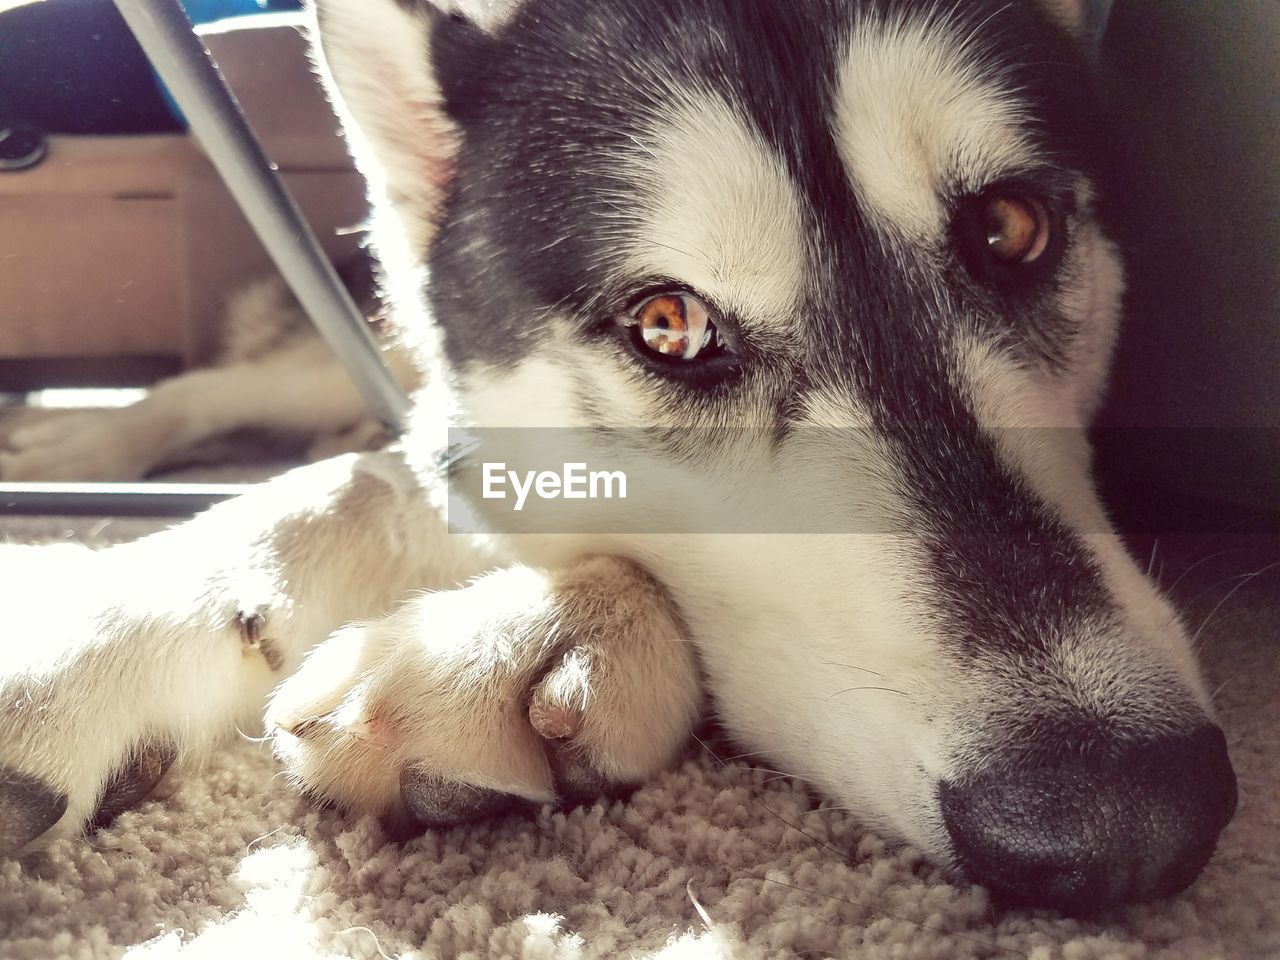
column 969, row 657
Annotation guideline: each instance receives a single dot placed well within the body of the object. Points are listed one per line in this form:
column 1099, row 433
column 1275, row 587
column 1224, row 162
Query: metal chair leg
column 167, row 38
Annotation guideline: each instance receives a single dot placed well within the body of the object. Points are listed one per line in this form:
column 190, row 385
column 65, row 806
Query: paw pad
column 132, row 783
column 28, row 807
column 436, row 801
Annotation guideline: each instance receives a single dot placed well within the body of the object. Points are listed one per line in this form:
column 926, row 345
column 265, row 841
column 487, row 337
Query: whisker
column 854, row 689
column 377, row 945
column 265, row 836
column 265, row 738
column 1228, row 530
column 812, row 839
column 741, row 756
column 842, row 854
column 780, row 775
column 1199, row 563
column 850, row 666
column 697, row 905
column 1215, row 585
column 1222, row 686
column 1230, row 593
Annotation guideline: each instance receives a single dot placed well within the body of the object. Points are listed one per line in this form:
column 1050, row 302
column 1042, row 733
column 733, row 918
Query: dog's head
column 854, row 246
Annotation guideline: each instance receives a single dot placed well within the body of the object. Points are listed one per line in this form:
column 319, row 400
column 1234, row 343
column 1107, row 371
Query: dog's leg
column 116, row 663
column 299, row 388
column 521, row 687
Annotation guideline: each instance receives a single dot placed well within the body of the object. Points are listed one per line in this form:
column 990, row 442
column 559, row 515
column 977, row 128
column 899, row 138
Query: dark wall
column 1196, row 86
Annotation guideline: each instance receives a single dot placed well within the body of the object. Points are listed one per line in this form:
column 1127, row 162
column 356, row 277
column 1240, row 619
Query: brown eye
column 1017, row 227
column 674, row 325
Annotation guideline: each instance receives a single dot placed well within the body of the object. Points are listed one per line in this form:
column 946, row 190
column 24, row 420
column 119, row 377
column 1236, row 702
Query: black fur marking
column 537, row 224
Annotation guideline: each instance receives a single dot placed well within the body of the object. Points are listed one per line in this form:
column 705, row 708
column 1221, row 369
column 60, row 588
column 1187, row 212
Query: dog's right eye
column 675, row 326
column 1008, row 235
column 1018, row 229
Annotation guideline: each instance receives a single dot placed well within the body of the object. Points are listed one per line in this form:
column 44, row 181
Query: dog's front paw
column 88, row 446
column 115, row 669
column 520, row 688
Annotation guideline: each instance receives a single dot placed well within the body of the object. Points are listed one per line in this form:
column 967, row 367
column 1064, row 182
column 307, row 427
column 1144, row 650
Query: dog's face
column 844, row 257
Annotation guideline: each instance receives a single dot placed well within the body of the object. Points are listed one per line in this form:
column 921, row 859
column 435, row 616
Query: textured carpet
column 711, row 860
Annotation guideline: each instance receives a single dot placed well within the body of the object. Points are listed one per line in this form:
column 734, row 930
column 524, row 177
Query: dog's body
column 851, row 249
column 271, row 374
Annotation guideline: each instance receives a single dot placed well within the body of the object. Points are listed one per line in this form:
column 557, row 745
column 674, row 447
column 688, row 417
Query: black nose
column 1095, row 827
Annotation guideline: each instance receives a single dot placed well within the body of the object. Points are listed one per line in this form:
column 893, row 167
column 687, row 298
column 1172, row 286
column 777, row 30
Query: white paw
column 86, row 447
column 117, row 663
column 518, row 688
column 104, row 685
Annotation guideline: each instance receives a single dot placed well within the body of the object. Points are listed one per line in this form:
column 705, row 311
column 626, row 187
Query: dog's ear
column 375, row 59
column 1086, row 19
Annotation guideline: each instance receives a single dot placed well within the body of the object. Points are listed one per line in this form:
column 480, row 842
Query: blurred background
column 1196, row 91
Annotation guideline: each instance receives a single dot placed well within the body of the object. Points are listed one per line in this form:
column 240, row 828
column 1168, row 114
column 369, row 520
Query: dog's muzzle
column 1131, row 821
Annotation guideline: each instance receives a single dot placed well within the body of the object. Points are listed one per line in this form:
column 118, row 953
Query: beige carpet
column 234, row 866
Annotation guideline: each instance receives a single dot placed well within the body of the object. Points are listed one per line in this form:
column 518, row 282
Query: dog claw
column 28, row 807
column 555, row 721
column 557, row 708
column 132, row 783
column 435, row 801
column 251, row 625
column 299, row 728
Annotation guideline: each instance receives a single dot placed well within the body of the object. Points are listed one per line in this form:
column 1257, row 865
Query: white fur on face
column 536, row 394
column 1090, row 299
column 913, row 117
column 813, row 664
column 720, row 213
column 1037, row 427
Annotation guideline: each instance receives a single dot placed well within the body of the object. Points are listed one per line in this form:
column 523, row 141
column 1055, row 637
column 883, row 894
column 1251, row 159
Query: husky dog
column 836, row 263
column 271, row 374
